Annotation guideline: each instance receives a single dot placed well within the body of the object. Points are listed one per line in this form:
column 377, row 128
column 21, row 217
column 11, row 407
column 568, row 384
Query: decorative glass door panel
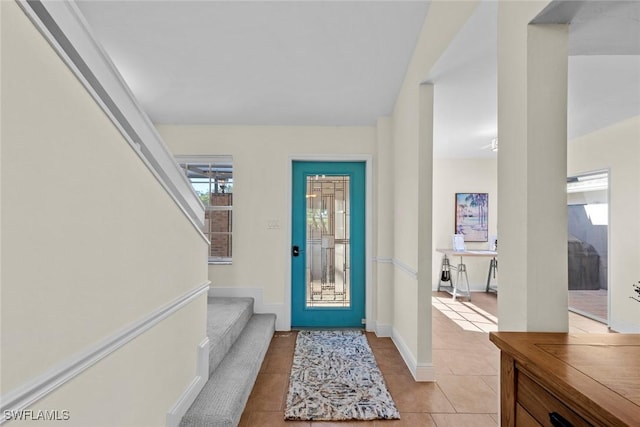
column 328, row 243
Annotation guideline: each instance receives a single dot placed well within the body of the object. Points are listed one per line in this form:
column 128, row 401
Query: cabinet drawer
column 540, row 403
column 524, row 419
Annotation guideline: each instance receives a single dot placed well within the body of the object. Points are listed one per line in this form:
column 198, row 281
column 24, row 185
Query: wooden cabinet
column 554, row 379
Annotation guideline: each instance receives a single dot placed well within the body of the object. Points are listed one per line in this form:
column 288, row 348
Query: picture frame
column 472, row 216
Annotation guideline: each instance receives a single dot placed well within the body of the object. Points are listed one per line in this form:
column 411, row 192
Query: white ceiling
column 260, row 63
column 340, row 63
column 603, row 80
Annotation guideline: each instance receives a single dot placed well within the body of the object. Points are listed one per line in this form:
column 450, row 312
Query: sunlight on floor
column 466, row 315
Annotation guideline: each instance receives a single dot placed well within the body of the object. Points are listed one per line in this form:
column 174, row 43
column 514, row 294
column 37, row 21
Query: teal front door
column 328, row 244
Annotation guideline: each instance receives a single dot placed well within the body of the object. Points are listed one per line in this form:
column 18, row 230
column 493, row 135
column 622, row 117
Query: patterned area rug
column 335, row 377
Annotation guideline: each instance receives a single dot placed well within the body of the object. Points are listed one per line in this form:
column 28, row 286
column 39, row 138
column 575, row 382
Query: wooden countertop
column 598, row 373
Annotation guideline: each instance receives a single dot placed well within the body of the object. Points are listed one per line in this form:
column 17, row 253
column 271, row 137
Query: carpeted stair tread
column 224, row 396
column 226, row 317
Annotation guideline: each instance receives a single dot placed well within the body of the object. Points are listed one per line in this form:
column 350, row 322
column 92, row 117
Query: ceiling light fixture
column 493, row 146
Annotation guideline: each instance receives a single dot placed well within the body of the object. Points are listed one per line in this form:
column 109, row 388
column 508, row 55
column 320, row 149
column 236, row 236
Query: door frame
column 367, row 159
column 608, row 171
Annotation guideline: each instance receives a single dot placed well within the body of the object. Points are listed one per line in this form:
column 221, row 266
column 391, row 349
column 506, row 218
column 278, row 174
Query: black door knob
column 295, row 250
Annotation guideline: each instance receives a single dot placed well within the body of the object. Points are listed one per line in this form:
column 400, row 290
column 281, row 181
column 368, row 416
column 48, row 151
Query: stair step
column 224, row 396
column 226, row 318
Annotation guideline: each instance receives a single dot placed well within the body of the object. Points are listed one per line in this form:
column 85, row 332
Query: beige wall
column 617, row 148
column 261, row 162
column 383, row 250
column 532, row 124
column 91, row 244
column 442, row 23
column 452, row 176
column 261, row 157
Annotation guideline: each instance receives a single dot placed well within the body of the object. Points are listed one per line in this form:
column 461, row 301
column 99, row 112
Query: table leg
column 493, row 267
column 461, row 273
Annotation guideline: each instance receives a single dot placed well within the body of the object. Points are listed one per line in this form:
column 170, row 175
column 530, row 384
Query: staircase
column 238, row 341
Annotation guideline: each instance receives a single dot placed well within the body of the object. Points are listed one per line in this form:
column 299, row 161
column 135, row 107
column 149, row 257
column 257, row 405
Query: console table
column 558, row 379
column 461, row 269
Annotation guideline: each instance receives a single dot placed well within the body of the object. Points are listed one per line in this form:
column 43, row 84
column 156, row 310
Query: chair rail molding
column 34, row 390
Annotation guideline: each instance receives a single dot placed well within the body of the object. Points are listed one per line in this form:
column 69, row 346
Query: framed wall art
column 472, row 214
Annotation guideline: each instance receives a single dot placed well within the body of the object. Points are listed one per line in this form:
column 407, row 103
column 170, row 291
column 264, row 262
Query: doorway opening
column 588, row 244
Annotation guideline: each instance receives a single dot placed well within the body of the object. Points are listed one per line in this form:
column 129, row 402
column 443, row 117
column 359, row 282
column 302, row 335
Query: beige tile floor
column 466, row 389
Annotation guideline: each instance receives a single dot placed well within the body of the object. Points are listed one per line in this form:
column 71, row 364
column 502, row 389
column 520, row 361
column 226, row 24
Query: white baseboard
column 384, row 330
column 425, row 373
column 420, row 372
column 175, row 414
column 283, row 314
column 404, row 351
column 624, row 327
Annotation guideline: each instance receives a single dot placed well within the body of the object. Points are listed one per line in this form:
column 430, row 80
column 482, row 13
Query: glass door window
column 327, row 242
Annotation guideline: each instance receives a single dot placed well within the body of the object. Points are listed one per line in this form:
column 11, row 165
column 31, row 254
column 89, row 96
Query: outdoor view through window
column 212, row 180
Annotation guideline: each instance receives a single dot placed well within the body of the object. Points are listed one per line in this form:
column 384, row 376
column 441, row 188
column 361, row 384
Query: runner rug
column 335, row 377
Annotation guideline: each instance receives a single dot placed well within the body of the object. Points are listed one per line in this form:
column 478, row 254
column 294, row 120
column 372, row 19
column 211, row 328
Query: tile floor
column 466, row 389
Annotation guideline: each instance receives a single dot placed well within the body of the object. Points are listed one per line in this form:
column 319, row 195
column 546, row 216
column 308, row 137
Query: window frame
column 212, row 159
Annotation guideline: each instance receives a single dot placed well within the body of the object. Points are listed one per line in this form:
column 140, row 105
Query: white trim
column 420, row 372
column 204, row 158
column 283, row 321
column 34, row 390
column 624, row 327
column 413, row 273
column 384, row 330
column 405, row 352
column 369, row 297
column 186, row 399
column 425, row 373
column 610, row 228
column 368, row 160
column 398, row 264
column 64, row 27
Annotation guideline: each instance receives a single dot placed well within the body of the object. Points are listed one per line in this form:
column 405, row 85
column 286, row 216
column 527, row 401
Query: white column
column 532, row 168
column 425, row 371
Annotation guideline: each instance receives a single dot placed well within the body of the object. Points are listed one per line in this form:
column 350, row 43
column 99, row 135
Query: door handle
column 295, row 250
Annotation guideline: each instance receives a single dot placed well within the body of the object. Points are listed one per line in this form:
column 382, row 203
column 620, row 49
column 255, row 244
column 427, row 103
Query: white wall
column 451, row 176
column 91, row 244
column 617, row 148
column 261, row 161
